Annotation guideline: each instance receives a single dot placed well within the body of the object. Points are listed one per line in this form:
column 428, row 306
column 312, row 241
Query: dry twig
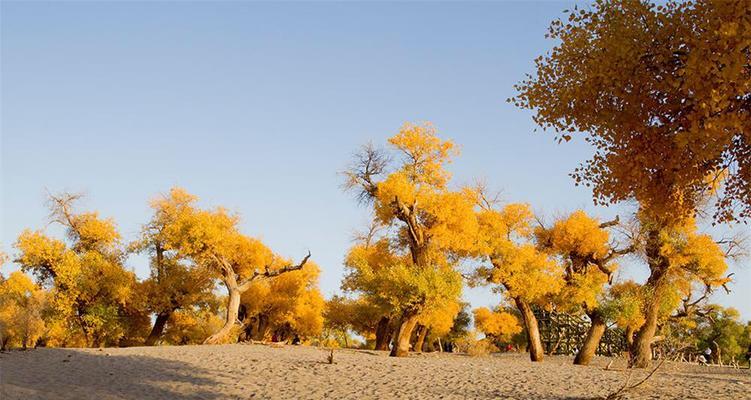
column 625, row 389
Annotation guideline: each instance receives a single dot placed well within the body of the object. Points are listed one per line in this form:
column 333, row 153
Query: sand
column 299, row 372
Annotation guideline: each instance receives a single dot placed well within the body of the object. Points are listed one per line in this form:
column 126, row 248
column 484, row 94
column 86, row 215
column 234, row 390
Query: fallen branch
column 625, row 389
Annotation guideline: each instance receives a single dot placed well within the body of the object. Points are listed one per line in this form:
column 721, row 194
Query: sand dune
column 262, row 372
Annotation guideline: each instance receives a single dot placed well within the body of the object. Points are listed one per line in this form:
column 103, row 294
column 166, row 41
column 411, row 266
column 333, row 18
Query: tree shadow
column 86, row 374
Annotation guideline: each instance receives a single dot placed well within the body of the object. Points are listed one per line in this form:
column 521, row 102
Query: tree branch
column 269, row 273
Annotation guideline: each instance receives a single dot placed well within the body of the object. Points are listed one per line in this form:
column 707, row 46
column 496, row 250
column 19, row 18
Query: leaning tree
column 212, row 240
column 663, row 94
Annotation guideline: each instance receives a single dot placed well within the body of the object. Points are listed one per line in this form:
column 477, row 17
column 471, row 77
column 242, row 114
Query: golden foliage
column 408, row 269
column 292, row 300
column 692, row 257
column 582, row 246
column 625, row 305
column 579, row 234
column 90, row 290
column 517, row 264
column 390, row 281
column 496, row 324
column 661, row 91
column 191, row 326
column 21, row 306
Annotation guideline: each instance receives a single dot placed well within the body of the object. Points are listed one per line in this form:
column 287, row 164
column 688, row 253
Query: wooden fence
column 564, row 334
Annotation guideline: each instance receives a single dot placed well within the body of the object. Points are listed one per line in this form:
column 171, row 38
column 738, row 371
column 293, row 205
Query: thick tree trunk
column 534, row 343
column 592, row 341
column 233, row 308
column 158, row 328
column 400, row 348
column 383, row 334
column 641, row 349
column 421, row 339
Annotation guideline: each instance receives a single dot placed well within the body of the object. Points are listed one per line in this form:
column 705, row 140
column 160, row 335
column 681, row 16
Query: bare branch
column 367, row 164
column 61, row 210
column 269, row 273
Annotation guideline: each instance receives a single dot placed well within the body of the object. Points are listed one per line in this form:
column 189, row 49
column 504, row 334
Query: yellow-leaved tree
column 498, row 325
column 22, row 304
column 661, row 92
column 359, row 315
column 583, row 246
column 210, row 239
column 514, row 264
column 288, row 306
column 426, row 226
column 91, row 293
column 175, row 282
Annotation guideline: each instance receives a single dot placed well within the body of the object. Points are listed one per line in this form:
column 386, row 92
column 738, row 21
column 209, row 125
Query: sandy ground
column 297, row 372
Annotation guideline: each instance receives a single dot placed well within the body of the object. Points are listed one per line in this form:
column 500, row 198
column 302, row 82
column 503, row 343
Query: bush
column 475, row 347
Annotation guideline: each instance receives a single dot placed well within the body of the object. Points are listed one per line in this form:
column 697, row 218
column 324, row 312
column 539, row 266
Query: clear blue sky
column 257, row 106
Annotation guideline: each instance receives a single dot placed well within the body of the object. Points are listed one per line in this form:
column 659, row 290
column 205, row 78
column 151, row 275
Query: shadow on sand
column 97, row 375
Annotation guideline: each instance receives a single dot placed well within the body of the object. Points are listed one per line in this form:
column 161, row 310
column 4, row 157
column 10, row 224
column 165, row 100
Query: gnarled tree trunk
column 400, row 347
column 158, row 328
column 592, row 341
column 534, row 342
column 235, row 289
column 233, row 308
column 383, row 334
column 641, row 349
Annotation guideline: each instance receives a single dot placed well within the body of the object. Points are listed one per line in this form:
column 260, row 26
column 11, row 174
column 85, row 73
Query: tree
column 624, row 305
column 498, row 325
column 583, row 246
column 459, row 329
column 90, row 290
column 174, row 283
column 211, row 239
column 435, row 322
column 662, row 94
column 515, row 264
column 342, row 315
column 21, row 306
column 391, row 282
column 427, row 223
column 288, row 305
column 720, row 329
column 193, row 324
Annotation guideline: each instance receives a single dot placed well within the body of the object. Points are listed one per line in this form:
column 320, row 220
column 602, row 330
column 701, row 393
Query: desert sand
column 300, row 372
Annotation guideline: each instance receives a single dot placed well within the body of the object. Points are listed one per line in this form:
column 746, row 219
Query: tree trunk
column 534, row 343
column 158, row 329
column 400, row 348
column 263, row 327
column 421, row 339
column 630, row 336
column 592, row 341
column 383, row 334
column 233, row 309
column 641, row 349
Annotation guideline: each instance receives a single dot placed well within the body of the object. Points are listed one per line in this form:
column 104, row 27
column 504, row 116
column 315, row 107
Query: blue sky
column 258, row 106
